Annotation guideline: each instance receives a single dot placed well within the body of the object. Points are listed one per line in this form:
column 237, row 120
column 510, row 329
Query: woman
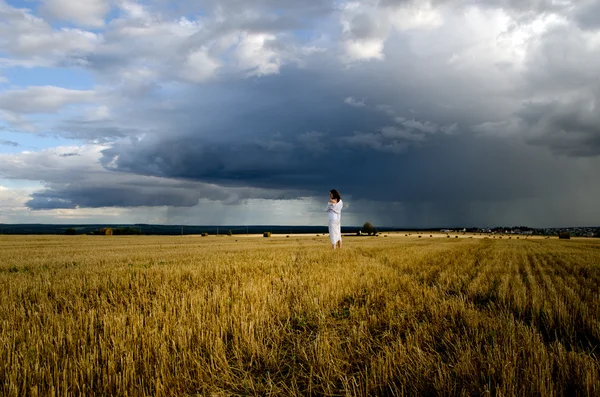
column 334, row 207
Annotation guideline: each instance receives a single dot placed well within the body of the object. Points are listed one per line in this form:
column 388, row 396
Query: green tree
column 369, row 228
column 70, row 231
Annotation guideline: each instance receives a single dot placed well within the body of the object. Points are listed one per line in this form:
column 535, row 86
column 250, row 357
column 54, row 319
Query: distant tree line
column 108, row 231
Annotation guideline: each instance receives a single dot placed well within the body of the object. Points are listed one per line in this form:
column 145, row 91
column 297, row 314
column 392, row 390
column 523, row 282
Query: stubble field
column 212, row 316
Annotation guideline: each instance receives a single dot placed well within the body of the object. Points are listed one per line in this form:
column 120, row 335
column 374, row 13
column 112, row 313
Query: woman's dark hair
column 336, row 195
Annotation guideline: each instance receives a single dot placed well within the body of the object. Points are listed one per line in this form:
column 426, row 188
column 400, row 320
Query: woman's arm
column 336, row 208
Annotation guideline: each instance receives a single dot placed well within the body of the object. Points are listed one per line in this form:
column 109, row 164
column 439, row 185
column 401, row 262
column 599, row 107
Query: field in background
column 131, row 315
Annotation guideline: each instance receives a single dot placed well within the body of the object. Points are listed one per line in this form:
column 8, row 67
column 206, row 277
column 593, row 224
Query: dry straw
column 166, row 316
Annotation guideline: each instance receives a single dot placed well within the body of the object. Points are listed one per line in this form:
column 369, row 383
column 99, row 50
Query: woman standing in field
column 334, row 207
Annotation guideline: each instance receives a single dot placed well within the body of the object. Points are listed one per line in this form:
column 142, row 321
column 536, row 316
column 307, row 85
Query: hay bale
column 267, row 234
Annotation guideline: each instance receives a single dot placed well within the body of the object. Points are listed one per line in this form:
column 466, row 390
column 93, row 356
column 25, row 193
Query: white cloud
column 42, row 99
column 364, row 49
column 363, row 31
column 366, row 26
column 97, row 113
column 355, row 103
column 376, row 142
column 31, row 41
column 80, row 12
column 255, row 56
column 193, row 50
column 60, row 164
column 12, row 204
column 422, row 126
column 199, row 66
column 410, row 16
column 16, row 121
column 508, row 127
column 395, row 133
column 134, row 10
column 449, row 129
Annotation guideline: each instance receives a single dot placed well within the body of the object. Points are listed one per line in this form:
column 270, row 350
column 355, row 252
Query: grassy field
column 212, row 316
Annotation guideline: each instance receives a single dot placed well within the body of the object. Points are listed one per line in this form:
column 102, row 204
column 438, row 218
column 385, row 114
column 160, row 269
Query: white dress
column 335, row 221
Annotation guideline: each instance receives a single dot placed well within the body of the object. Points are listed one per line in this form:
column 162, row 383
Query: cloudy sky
column 422, row 113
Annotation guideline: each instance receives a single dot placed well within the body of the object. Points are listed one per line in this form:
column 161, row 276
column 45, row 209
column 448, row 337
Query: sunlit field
column 221, row 316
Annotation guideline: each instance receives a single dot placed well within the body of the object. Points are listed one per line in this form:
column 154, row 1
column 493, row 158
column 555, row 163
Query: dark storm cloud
column 268, row 138
column 119, row 190
column 433, row 129
column 264, row 144
column 77, row 180
column 408, row 141
column 47, row 200
column 571, row 128
column 446, row 168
